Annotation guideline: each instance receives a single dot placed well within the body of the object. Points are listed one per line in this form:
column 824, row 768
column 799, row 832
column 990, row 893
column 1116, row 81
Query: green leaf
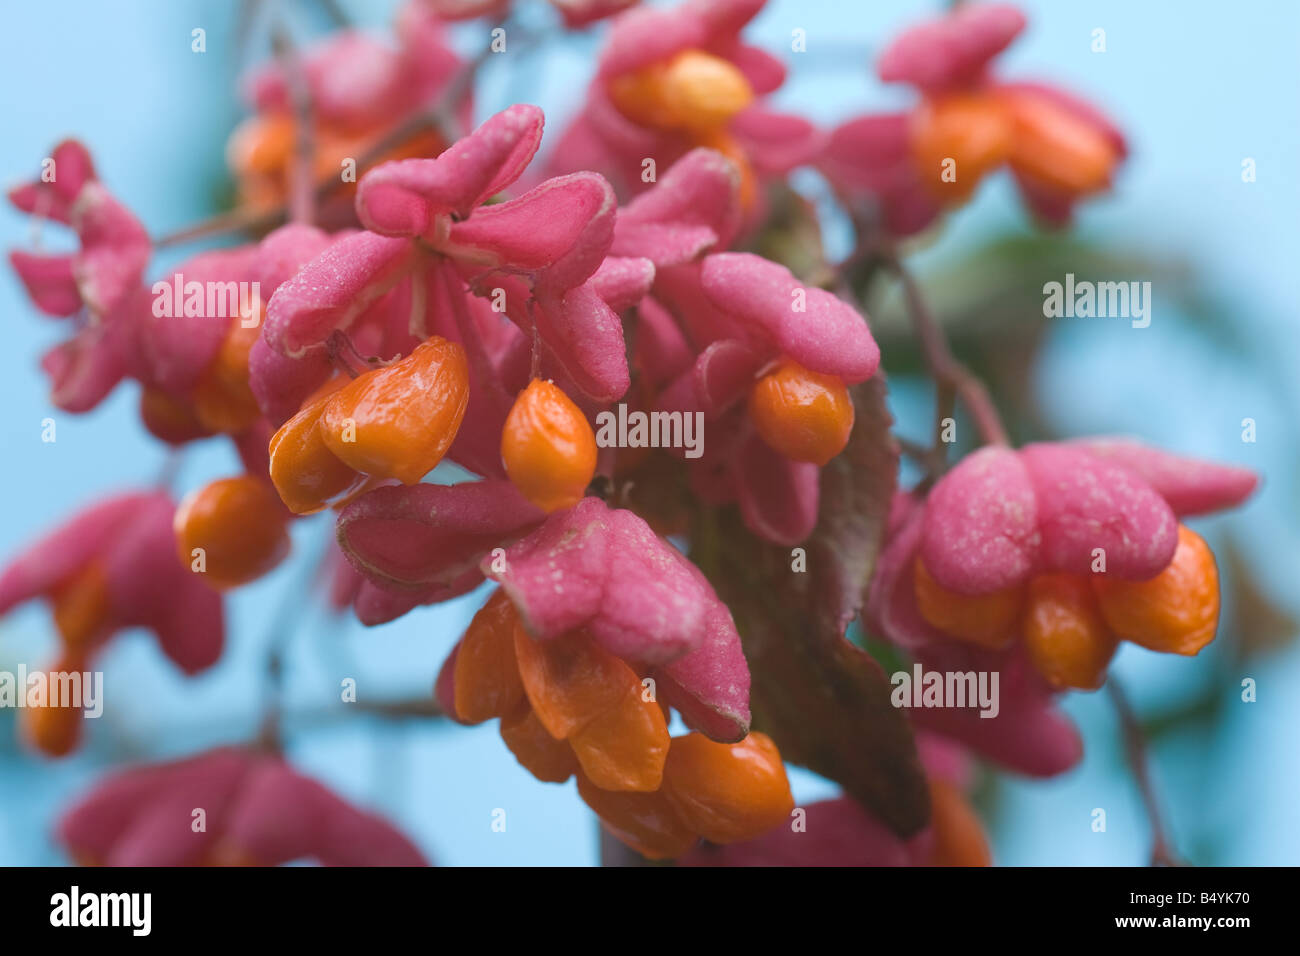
column 824, row 701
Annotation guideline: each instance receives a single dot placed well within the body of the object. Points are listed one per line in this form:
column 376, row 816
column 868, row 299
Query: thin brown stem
column 284, row 624
column 918, row 452
column 951, row 377
column 337, row 15
column 241, row 219
column 417, row 707
column 535, row 370
column 344, row 355
column 302, row 192
column 1162, row 851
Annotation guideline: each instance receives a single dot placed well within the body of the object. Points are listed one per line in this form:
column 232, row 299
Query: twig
column 401, row 709
column 302, row 194
column 344, row 356
column 288, row 614
column 337, row 15
column 951, row 377
column 244, row 218
column 922, row 454
column 1162, row 851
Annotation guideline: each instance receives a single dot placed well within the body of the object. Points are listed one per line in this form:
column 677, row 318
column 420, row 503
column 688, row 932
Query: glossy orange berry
column 223, row 401
column 957, row 140
column 487, row 677
column 225, row 853
column 727, row 792
column 54, row 730
column 548, row 447
column 547, row 759
column 169, row 418
column 625, row 747
column 693, row 91
column 646, row 822
column 82, row 606
column 1066, row 637
column 1177, row 611
column 806, row 416
column 240, row 527
column 957, row 832
column 702, row 91
column 1055, row 147
column 570, row 680
column 306, row 474
column 398, row 421
column 730, row 147
column 261, row 145
column 638, row 96
column 988, row 620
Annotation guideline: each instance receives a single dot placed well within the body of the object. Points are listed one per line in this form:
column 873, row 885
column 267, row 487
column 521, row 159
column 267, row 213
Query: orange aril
column 1066, row 637
column 729, row 146
column 398, row 421
column 548, row 447
column 306, row 474
column 646, row 822
column 570, row 680
column 225, row 853
column 487, row 677
column 1177, row 611
column 1056, row 148
column 693, row 91
column 703, row 92
column 240, row 526
column 54, row 730
column 546, row 758
column 957, row 832
column 169, row 418
column 82, row 606
column 727, row 792
column 223, row 401
column 985, row 619
column 261, row 145
column 625, row 747
column 972, row 130
column 806, row 416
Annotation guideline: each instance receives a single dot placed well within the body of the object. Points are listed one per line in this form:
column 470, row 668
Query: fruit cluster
column 430, row 308
column 390, row 423
column 568, row 707
column 1071, row 624
column 1041, row 139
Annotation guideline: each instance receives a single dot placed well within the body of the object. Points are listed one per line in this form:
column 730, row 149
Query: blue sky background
column 1197, row 86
